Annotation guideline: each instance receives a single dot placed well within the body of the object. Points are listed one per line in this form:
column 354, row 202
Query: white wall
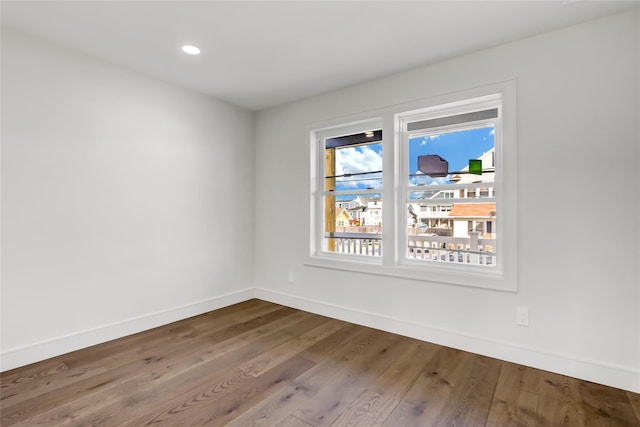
column 577, row 107
column 126, row 202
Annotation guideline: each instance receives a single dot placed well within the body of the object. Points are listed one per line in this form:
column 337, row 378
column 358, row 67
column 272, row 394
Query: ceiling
column 264, row 53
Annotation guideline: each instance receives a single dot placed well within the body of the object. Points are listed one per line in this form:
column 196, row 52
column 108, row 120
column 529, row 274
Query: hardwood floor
column 258, row 363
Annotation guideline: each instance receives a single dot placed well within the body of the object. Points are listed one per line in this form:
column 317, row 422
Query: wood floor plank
column 355, row 341
column 287, row 349
column 262, row 364
column 336, row 344
column 345, row 386
column 368, row 410
column 515, row 400
column 605, row 406
column 569, row 401
column 221, row 401
column 292, row 421
column 13, row 383
column 384, row 393
column 455, row 389
column 559, row 400
column 634, row 399
column 331, row 387
column 237, row 368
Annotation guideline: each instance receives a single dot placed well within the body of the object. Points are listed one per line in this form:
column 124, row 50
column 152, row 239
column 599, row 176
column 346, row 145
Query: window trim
column 391, row 263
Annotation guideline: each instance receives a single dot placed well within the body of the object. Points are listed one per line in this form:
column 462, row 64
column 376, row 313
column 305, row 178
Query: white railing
column 433, row 215
column 458, row 250
column 358, row 243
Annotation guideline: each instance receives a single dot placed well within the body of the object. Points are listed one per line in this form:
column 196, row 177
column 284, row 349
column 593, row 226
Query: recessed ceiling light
column 191, row 50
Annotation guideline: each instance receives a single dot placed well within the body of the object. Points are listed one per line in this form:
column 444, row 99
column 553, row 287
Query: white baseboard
column 16, row 357
column 614, row 376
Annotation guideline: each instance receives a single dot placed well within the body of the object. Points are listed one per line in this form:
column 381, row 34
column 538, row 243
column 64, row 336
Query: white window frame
column 318, row 136
column 395, row 171
column 443, row 111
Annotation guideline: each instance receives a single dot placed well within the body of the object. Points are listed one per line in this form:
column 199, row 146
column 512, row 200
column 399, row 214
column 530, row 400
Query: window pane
column 353, row 222
column 354, row 167
column 355, row 225
column 444, row 158
column 455, row 224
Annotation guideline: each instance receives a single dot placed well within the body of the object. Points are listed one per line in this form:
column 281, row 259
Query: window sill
column 443, row 274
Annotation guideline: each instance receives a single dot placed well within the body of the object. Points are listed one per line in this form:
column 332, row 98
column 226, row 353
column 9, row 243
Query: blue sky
column 455, row 147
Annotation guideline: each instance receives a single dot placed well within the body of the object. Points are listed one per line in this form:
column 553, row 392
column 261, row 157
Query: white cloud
column 429, row 138
column 357, row 160
column 422, row 179
column 492, row 131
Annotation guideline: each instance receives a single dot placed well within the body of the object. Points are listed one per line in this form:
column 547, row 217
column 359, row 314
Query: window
column 444, row 186
column 351, row 163
column 450, row 155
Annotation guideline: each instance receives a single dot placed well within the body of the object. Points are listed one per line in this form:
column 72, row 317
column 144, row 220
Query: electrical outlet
column 522, row 316
column 291, row 277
